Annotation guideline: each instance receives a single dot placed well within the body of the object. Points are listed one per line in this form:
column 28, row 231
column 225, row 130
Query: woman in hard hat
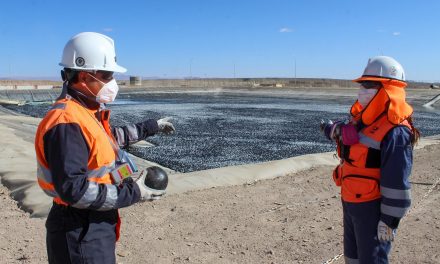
column 80, row 163
column 375, row 147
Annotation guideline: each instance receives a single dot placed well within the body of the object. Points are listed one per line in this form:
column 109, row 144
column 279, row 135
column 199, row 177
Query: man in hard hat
column 80, row 163
column 375, row 147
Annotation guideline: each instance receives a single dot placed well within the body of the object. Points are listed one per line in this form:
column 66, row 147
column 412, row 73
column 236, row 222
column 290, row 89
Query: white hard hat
column 90, row 51
column 382, row 67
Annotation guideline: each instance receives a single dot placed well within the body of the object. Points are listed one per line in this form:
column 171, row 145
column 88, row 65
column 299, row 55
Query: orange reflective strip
column 106, row 179
column 45, row 185
column 59, row 201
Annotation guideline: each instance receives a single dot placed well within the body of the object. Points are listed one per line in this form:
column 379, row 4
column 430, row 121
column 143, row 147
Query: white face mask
column 108, row 91
column 365, row 95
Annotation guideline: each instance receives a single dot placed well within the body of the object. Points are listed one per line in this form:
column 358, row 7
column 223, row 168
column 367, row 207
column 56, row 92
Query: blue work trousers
column 360, row 233
column 80, row 236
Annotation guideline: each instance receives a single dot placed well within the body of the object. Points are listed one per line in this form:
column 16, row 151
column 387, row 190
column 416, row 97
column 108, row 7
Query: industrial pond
column 217, row 130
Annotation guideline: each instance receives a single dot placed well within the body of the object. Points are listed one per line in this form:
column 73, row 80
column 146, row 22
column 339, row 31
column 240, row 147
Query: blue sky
column 164, row 38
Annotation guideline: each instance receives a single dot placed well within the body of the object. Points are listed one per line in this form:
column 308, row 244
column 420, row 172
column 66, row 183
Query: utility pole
column 10, row 72
column 190, row 71
column 190, row 68
column 294, row 68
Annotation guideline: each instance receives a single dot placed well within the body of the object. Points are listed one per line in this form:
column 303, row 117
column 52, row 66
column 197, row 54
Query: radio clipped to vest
column 125, row 167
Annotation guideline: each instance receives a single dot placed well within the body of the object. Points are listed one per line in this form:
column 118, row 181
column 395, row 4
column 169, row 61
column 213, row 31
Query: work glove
column 385, row 233
column 165, row 126
column 148, row 194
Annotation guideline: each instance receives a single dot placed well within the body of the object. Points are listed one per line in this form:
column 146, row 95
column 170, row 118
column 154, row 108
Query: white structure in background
column 135, row 80
column 432, row 101
column 26, row 87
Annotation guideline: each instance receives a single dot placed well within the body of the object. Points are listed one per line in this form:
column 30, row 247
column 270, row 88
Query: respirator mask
column 365, row 95
column 108, row 91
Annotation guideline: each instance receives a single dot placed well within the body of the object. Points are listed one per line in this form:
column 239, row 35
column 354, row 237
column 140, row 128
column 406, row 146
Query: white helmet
column 382, row 67
column 90, row 51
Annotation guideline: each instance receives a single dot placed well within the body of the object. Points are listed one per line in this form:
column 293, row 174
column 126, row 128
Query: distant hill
column 212, row 82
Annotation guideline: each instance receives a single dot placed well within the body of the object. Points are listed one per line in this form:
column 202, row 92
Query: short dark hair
column 69, row 75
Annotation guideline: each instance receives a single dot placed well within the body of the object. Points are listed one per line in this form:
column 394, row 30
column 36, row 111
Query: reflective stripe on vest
column 92, row 175
column 369, row 142
column 58, row 106
column 395, row 193
column 101, row 158
column 360, row 170
column 92, row 192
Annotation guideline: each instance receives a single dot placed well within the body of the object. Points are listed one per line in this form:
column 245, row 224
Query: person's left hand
column 165, row 126
column 385, row 233
column 147, row 193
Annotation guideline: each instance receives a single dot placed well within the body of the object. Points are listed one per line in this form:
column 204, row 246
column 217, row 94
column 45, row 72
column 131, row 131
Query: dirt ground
column 292, row 219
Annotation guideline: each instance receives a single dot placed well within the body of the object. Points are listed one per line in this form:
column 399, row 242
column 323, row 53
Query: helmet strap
column 86, row 86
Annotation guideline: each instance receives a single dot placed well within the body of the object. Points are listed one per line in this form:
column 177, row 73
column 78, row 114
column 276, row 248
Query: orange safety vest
column 359, row 171
column 97, row 135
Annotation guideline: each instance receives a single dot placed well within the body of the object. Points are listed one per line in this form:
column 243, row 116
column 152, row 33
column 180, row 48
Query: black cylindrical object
column 156, row 178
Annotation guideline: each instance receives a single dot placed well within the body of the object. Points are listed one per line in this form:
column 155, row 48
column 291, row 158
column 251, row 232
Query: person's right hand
column 148, row 194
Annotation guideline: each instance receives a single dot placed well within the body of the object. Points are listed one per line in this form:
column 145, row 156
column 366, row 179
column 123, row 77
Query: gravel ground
column 217, row 130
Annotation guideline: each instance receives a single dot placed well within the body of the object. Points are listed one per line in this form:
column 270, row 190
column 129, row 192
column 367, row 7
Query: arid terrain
column 295, row 218
column 291, row 219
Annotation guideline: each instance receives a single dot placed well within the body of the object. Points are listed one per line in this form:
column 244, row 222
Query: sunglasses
column 103, row 75
column 371, row 84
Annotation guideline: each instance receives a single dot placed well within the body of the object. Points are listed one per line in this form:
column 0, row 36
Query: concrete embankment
column 19, row 97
